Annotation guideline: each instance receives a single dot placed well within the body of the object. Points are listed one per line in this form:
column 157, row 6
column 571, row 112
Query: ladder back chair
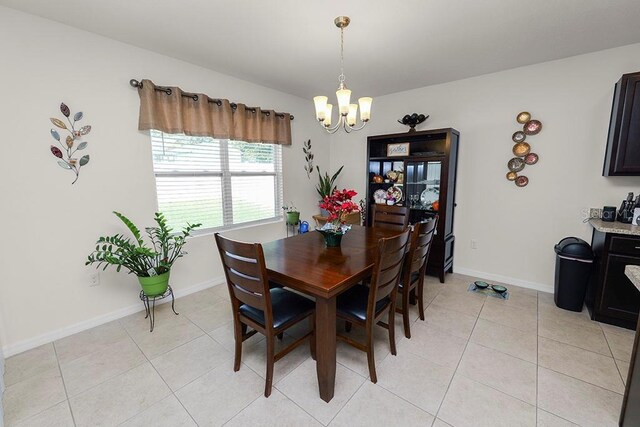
column 393, row 217
column 265, row 307
column 363, row 306
column 415, row 266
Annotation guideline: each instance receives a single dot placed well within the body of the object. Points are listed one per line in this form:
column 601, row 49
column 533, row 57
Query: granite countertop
column 633, row 273
column 615, row 227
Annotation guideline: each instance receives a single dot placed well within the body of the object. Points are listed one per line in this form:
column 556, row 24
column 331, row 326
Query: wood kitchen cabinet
column 623, row 144
column 611, row 297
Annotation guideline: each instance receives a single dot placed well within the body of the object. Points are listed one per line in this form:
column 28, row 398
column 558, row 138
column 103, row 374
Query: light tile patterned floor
column 475, row 361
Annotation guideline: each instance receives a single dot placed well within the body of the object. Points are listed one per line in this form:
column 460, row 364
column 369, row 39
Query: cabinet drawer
column 625, row 245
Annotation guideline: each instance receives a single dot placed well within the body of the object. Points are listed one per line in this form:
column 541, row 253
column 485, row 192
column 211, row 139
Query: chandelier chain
column 341, row 77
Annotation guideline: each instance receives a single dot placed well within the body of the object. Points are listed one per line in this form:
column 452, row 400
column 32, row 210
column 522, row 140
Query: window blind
column 219, row 183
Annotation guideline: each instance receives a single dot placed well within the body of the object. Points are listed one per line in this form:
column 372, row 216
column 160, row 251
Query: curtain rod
column 135, row 83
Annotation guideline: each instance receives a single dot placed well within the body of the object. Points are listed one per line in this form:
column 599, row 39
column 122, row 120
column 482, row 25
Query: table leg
column 326, row 346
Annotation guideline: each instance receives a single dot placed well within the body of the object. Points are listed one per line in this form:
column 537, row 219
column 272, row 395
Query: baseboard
column 505, row 279
column 21, row 346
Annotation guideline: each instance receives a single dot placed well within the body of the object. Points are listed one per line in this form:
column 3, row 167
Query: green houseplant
column 151, row 263
column 326, row 184
column 292, row 213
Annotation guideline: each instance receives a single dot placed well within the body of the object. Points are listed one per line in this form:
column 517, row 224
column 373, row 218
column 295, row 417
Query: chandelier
column 347, row 112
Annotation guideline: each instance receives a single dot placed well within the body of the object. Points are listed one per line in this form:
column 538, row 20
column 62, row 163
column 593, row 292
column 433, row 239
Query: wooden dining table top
column 303, row 262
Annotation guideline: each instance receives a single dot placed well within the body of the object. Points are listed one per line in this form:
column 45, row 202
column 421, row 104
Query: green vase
column 293, row 218
column 331, row 238
column 154, row 285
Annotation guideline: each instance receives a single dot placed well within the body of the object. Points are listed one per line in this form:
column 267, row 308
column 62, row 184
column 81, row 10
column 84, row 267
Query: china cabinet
column 418, row 170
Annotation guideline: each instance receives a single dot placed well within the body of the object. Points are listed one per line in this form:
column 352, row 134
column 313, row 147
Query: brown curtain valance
column 171, row 110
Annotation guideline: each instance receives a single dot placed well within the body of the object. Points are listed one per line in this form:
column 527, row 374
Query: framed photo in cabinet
column 398, row 150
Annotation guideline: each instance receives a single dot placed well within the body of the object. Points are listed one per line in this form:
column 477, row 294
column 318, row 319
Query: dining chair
column 414, row 268
column 390, row 216
column 363, row 306
column 262, row 305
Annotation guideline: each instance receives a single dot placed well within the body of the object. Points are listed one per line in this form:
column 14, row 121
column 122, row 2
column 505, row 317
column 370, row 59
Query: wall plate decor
column 531, row 159
column 522, row 150
column 67, row 156
column 523, row 117
column 518, row 136
column 532, row 127
column 516, row 164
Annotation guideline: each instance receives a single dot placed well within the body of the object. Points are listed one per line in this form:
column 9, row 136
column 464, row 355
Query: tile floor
column 475, row 361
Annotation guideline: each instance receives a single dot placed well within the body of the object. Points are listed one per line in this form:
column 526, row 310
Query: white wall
column 49, row 225
column 516, row 228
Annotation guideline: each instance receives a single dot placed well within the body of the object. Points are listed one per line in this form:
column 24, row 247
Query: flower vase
column 331, row 238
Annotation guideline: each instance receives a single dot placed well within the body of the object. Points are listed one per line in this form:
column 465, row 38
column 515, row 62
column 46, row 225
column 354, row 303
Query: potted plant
column 151, row 263
column 338, row 205
column 292, row 213
column 326, row 185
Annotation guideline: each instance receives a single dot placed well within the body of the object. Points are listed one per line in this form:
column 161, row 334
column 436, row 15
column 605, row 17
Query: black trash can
column 574, row 259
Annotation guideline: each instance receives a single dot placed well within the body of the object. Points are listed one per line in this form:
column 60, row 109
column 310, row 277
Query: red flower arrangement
column 339, row 204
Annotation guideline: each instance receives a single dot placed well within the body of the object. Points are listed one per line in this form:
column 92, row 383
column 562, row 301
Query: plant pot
column 293, row 218
column 154, row 285
column 331, row 238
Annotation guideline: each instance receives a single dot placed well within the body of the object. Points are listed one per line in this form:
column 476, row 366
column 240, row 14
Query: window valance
column 171, row 110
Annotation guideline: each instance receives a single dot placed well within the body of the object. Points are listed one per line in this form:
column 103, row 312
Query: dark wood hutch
column 428, row 174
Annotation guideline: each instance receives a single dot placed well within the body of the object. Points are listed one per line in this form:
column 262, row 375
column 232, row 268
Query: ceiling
column 390, row 46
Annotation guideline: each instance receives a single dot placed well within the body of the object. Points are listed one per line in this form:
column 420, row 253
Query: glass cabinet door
column 422, row 185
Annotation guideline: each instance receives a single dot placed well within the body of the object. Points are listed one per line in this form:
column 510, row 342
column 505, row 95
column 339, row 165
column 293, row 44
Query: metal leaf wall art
column 308, row 157
column 68, row 155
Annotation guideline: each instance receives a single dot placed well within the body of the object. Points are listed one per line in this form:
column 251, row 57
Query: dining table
column 305, row 264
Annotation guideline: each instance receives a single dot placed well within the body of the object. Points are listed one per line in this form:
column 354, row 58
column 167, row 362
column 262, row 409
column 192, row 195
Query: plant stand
column 150, row 304
column 292, row 229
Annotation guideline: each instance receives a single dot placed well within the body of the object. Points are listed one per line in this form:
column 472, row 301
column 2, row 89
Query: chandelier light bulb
column 327, row 115
column 365, row 108
column 321, row 107
column 344, row 98
column 351, row 116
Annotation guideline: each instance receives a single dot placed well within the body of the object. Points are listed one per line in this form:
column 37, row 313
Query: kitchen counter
column 615, row 227
column 630, row 413
column 633, row 273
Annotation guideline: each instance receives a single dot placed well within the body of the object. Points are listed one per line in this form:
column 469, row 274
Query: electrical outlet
column 474, row 244
column 595, row 213
column 94, row 279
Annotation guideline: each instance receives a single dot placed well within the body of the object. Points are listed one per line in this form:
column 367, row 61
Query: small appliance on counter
column 625, row 213
column 609, row 213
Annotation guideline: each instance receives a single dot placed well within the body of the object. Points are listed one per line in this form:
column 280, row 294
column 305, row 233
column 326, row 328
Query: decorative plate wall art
column 515, row 165
column 519, row 136
column 523, row 117
column 68, row 153
column 532, row 127
column 522, row 150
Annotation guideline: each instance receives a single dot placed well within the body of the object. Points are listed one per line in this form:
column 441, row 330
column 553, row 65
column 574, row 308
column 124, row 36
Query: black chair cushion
column 414, row 277
column 353, row 302
column 286, row 305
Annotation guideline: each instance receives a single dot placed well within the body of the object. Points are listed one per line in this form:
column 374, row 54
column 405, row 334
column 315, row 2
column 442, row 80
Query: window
column 219, row 183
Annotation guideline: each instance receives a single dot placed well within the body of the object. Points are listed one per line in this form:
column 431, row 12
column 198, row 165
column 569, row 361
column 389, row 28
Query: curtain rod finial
column 135, row 83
